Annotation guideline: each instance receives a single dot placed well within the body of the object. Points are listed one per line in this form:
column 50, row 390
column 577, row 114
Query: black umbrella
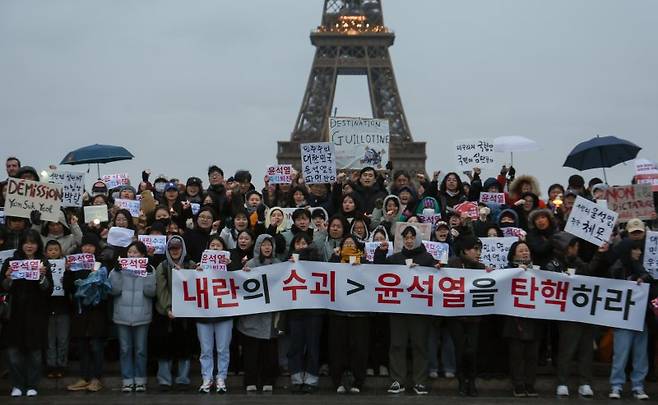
column 96, row 154
column 601, row 152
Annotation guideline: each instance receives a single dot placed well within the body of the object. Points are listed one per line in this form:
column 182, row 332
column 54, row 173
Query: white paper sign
column 439, row 250
column 651, row 253
column 115, row 180
column 57, row 271
column 158, row 242
column 73, row 187
column 25, row 196
column 492, row 198
column 372, row 246
column 470, row 153
column 590, row 221
column 494, row 251
column 215, row 260
column 135, row 266
column 646, row 172
column 25, row 269
column 6, row 254
column 95, row 213
column 318, row 162
column 279, row 174
column 81, row 261
column 131, row 205
column 360, row 142
column 121, row 237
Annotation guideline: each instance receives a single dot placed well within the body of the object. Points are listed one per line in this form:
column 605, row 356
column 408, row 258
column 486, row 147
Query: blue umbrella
column 601, row 152
column 96, row 154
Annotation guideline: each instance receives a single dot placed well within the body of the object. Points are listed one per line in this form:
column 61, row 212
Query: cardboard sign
column 424, row 229
column 80, row 261
column 115, row 180
column 157, row 242
column 632, row 201
column 25, row 269
column 468, row 207
column 133, row 206
column 215, row 260
column 279, row 174
column 646, row 172
column 439, row 250
column 95, row 213
column 73, row 187
column 360, row 142
column 318, row 162
column 121, row 237
column 511, row 231
column 57, row 271
column 470, row 153
column 495, row 250
column 492, row 198
column 651, row 253
column 590, row 221
column 25, row 196
column 6, row 254
column 136, row 266
column 372, row 246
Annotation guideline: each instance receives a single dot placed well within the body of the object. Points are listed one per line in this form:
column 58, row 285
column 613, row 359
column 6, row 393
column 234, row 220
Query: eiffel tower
column 353, row 40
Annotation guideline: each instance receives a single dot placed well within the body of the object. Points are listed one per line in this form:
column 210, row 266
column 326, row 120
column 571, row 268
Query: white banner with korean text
column 418, row 290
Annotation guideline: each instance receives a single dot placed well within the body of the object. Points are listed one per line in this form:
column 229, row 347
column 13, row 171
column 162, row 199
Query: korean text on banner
column 25, row 196
column 470, row 153
column 136, row 266
column 651, row 253
column 73, row 187
column 318, row 162
column 25, row 269
column 80, row 261
column 133, row 206
column 590, row 221
column 439, row 250
column 279, row 174
column 157, row 242
column 492, row 198
column 215, row 260
column 494, row 251
column 360, row 142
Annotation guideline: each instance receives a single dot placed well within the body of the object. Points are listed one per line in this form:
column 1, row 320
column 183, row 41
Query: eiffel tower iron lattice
column 353, row 40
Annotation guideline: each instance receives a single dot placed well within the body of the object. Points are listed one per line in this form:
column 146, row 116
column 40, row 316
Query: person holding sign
column 133, row 308
column 59, row 321
column 27, row 327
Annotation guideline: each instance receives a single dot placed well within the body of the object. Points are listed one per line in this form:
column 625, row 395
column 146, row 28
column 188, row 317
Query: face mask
column 159, row 187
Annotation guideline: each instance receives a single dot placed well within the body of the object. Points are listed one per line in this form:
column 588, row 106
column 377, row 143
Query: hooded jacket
column 380, row 217
column 163, row 275
column 368, row 195
column 69, row 241
column 539, row 241
column 260, row 326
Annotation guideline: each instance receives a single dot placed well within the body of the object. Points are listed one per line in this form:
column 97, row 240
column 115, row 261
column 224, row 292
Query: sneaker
column 562, row 391
column 127, row 387
column 268, row 388
column 531, row 392
column 615, row 393
column 16, row 392
column 140, row 388
column 638, row 393
column 449, row 375
column 340, row 390
column 79, row 385
column 94, row 385
column 519, row 392
column 252, row 388
column 205, row 387
column 420, row 389
column 433, row 374
column 395, row 388
column 355, row 390
column 383, row 371
column 585, row 391
column 220, row 386
column 33, row 393
column 370, row 372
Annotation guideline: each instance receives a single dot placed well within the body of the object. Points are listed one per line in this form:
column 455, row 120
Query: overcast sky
column 183, row 84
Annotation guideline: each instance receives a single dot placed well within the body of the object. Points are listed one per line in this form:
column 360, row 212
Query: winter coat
column 69, row 240
column 196, row 241
column 539, row 241
column 164, row 276
column 418, row 253
column 369, row 195
column 133, row 297
column 86, row 321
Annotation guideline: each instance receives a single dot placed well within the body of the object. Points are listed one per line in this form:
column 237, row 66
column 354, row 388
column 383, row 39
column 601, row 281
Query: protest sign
column 157, row 242
column 651, row 253
column 492, row 198
column 632, row 201
column 6, row 254
column 196, row 207
column 57, row 271
column 96, row 213
column 279, row 174
column 133, row 206
column 2, row 215
column 470, row 208
column 494, row 251
column 424, row 229
column 135, row 266
column 470, row 153
column 318, row 162
column 115, row 180
column 419, row 290
column 646, row 172
column 73, row 187
column 590, row 221
column 372, row 246
column 439, row 250
column 81, row 261
column 513, row 232
column 360, row 142
column 215, row 260
column 25, row 196
column 121, row 237
column 25, row 269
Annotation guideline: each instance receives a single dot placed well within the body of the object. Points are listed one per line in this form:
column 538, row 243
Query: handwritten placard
column 25, row 196
column 95, row 213
column 157, row 242
column 495, row 250
column 136, row 266
column 360, row 142
column 492, row 198
column 279, row 174
column 439, row 250
column 590, row 221
column 131, row 205
column 25, row 269
column 318, row 162
column 57, row 271
column 470, row 153
column 215, row 260
column 651, row 253
column 115, row 180
column 73, row 187
column 632, row 201
column 372, row 246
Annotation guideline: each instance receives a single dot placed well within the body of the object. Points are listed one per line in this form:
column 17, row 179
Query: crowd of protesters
column 331, row 222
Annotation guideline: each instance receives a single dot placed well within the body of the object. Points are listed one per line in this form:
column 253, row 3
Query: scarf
column 346, row 252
